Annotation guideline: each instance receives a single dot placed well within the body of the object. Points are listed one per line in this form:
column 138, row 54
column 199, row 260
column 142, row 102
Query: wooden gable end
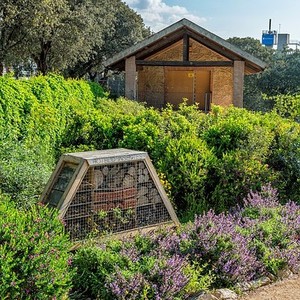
column 199, row 52
column 196, row 52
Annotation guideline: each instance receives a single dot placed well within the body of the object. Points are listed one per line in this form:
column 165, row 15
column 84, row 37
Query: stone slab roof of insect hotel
column 108, row 191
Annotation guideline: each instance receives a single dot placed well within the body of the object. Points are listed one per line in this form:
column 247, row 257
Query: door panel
column 190, row 84
column 202, row 87
column 179, row 85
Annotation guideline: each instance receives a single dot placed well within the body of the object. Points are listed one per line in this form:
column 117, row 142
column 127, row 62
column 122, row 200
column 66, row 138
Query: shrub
column 33, row 253
column 209, row 160
column 42, row 108
column 273, row 229
column 288, row 106
column 24, row 171
column 135, row 268
column 216, row 250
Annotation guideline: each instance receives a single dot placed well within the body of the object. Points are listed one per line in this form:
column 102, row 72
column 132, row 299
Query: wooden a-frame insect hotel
column 107, row 191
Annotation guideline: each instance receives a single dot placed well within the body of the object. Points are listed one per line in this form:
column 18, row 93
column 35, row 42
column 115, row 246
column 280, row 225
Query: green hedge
column 210, row 161
column 206, row 160
column 40, row 109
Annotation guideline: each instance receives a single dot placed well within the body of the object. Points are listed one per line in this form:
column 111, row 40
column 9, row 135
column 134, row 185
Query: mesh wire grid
column 115, row 198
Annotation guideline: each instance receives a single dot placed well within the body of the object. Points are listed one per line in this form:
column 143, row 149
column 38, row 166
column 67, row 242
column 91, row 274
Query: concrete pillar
column 238, row 83
column 130, row 78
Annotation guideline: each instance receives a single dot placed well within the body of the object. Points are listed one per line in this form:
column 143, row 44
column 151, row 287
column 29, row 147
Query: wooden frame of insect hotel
column 105, row 191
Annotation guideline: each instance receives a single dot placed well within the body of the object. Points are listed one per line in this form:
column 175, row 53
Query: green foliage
column 282, row 75
column 134, row 268
column 93, row 268
column 208, row 160
column 24, row 171
column 253, row 46
column 35, row 117
column 284, row 158
column 122, row 28
column 60, row 34
column 33, row 253
column 41, row 109
column 270, row 236
column 288, row 106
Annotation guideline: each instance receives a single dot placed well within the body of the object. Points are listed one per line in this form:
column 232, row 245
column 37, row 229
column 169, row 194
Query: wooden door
column 202, row 88
column 191, row 84
column 179, row 85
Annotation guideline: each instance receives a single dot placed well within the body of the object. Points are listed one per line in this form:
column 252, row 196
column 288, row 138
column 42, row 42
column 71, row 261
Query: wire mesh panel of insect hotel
column 119, row 191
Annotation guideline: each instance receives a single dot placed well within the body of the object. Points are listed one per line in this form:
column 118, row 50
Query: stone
column 247, row 286
column 207, row 297
column 203, row 296
column 225, row 294
column 264, row 281
column 284, row 273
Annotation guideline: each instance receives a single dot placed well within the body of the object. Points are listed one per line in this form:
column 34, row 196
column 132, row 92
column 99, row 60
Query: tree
column 52, row 33
column 13, row 20
column 126, row 29
column 283, row 74
column 253, row 98
column 66, row 31
column 59, row 34
column 253, row 47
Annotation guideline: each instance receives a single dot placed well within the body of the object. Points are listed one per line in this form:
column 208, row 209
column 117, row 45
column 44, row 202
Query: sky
column 225, row 18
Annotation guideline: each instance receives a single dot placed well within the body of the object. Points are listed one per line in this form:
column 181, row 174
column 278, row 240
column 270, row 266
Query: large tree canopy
column 13, row 21
column 283, row 74
column 253, row 47
column 281, row 77
column 66, row 34
column 126, row 28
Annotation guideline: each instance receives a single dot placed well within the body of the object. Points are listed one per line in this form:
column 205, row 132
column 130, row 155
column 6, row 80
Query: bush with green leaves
column 288, row 106
column 135, row 268
column 24, row 170
column 40, row 109
column 208, row 160
column 34, row 253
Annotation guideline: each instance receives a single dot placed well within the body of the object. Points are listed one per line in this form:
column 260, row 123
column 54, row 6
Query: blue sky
column 226, row 18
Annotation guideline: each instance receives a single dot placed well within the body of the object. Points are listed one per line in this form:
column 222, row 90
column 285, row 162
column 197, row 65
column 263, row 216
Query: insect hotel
column 107, row 191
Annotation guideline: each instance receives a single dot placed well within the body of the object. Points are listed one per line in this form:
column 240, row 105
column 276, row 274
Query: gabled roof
column 174, row 33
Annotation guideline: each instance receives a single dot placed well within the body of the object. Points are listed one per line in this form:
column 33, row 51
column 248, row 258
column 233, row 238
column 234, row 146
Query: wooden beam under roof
column 175, row 32
column 160, row 45
column 186, row 47
column 184, row 63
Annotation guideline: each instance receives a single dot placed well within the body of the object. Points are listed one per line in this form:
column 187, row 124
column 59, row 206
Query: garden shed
column 108, row 191
column 185, row 61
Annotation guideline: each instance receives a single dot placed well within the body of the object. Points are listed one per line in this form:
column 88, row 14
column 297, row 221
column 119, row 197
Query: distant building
column 283, row 41
column 271, row 38
column 185, row 61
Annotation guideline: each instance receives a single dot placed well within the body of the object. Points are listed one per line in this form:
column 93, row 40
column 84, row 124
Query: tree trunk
column 1, row 69
column 41, row 59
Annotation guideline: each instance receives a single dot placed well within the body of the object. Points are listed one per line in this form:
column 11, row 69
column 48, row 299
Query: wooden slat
column 161, row 191
column 72, row 188
column 186, row 47
column 185, row 63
